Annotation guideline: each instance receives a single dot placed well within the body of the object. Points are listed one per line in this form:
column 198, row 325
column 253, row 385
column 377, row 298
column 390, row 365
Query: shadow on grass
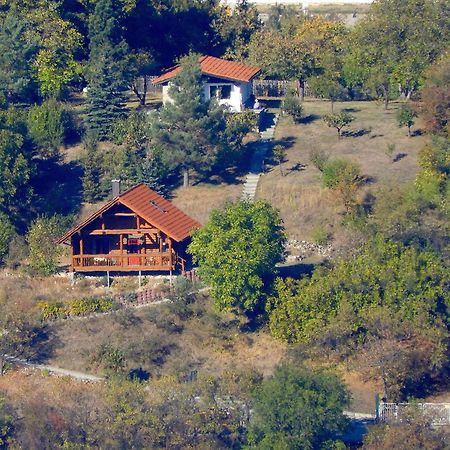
column 399, row 156
column 43, row 346
column 272, row 103
column 286, row 142
column 309, row 119
column 297, row 168
column 351, row 110
column 355, row 134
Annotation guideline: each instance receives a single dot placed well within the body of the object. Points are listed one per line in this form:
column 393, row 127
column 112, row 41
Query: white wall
column 240, row 93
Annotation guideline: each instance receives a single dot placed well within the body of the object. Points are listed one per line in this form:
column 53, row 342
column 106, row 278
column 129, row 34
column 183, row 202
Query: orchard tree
column 394, row 44
column 338, row 121
column 298, row 408
column 292, row 105
column 107, row 74
column 190, row 129
column 237, row 252
column 405, row 117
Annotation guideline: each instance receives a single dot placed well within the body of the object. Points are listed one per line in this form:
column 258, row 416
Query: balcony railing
column 126, row 261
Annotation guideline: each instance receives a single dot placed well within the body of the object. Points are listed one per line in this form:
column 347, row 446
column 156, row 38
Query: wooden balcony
column 127, row 262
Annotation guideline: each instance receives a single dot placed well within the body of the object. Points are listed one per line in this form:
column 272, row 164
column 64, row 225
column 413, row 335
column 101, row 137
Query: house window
column 220, row 92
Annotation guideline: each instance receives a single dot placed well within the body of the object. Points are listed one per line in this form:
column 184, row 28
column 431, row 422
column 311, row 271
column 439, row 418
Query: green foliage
column 298, row 408
column 16, row 54
column 15, row 168
column 343, row 176
column 279, row 153
column 435, row 97
column 189, row 129
column 405, row 117
column 338, row 120
column 319, row 158
column 320, row 235
column 106, row 70
column 44, row 253
column 6, row 425
column 292, row 105
column 406, row 281
column 109, row 357
column 394, row 44
column 6, row 234
column 48, row 126
column 71, row 308
column 237, row 251
column 92, row 167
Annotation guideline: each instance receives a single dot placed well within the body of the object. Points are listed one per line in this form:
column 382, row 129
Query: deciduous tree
column 237, row 251
column 298, row 408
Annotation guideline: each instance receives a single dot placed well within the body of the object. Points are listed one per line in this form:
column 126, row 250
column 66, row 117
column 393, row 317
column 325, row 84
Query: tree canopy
column 237, row 252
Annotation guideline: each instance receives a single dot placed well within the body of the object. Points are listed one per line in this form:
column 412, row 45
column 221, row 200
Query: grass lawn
column 303, row 201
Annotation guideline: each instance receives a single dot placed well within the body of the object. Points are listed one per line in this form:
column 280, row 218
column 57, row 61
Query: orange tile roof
column 150, row 206
column 216, row 67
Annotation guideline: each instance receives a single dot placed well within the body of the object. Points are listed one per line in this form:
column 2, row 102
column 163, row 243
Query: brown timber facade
column 138, row 231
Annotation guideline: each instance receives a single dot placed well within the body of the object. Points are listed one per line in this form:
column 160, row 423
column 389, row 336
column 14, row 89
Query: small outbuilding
column 137, row 231
column 231, row 82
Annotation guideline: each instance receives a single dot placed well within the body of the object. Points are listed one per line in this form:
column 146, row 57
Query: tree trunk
column 385, row 96
column 301, row 84
column 339, row 132
column 2, row 363
column 332, row 106
column 186, row 181
column 409, row 131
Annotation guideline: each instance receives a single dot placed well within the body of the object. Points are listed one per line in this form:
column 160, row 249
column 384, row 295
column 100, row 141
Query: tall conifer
column 107, row 69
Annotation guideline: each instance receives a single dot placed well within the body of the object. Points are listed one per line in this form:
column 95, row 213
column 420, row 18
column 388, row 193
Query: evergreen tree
column 107, row 69
column 16, row 76
column 190, row 128
column 91, row 177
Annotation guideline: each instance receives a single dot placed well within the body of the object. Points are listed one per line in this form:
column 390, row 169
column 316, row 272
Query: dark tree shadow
column 43, row 346
column 287, row 142
column 58, row 187
column 273, row 103
column 373, row 136
column 399, row 156
column 139, row 374
column 367, row 179
column 417, row 132
column 309, row 119
column 296, row 271
column 355, row 134
column 297, row 167
column 351, row 110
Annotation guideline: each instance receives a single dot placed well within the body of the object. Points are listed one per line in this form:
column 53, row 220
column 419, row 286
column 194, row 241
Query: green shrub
column 44, row 253
column 6, row 233
column 292, row 105
column 319, row 158
column 339, row 173
column 320, row 235
column 49, row 125
column 77, row 307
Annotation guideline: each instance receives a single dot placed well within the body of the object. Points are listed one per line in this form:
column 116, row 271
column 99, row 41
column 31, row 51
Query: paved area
column 256, row 166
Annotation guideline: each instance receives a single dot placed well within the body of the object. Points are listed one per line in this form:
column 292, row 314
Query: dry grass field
column 303, row 201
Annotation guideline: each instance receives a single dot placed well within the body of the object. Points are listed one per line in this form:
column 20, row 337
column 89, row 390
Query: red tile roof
column 216, row 67
column 150, row 206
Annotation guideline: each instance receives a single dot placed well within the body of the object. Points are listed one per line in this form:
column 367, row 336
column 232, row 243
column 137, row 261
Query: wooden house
column 231, row 82
column 137, row 231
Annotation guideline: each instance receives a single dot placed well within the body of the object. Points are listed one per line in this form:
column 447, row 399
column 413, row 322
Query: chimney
column 115, row 188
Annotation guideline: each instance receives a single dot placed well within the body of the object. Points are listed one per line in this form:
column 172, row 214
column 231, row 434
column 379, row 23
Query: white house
column 229, row 81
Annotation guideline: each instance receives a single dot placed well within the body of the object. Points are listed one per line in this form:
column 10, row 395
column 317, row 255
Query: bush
column 6, row 233
column 320, row 235
column 319, row 158
column 44, row 253
column 342, row 176
column 298, row 408
column 78, row 307
column 292, row 105
column 109, row 357
column 49, row 125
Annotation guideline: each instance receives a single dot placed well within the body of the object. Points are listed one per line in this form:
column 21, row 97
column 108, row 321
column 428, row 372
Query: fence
column 437, row 413
column 275, row 88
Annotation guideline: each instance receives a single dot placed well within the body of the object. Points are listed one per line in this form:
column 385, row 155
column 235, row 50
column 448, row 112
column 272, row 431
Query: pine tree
column 92, row 169
column 190, row 128
column 107, row 69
